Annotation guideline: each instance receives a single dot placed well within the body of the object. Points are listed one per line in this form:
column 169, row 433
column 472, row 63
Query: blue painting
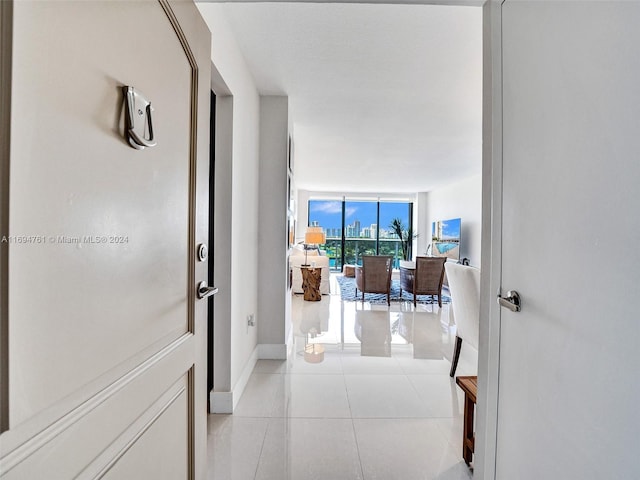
column 445, row 237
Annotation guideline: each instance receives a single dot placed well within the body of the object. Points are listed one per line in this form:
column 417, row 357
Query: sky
column 328, row 213
column 450, row 228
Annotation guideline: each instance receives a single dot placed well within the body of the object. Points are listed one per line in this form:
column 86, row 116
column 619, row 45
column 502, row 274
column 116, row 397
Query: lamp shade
column 314, row 236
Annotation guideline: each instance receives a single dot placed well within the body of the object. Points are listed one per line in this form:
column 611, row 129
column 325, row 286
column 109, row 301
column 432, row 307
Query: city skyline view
column 360, row 217
column 366, row 229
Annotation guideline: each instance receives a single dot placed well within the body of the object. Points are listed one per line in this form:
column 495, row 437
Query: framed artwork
column 291, row 202
column 290, row 155
column 292, row 231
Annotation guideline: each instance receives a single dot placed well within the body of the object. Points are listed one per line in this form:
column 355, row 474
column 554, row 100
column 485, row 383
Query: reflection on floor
column 366, row 396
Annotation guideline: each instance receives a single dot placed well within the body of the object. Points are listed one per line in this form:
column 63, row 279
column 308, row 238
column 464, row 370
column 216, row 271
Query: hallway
column 370, row 397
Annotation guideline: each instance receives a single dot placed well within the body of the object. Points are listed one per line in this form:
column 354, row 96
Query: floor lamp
column 313, row 236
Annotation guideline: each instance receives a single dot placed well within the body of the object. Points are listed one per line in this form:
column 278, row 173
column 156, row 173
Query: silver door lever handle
column 205, row 291
column 511, row 301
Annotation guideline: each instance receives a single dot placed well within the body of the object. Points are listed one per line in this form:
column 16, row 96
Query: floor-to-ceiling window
column 358, row 227
column 328, row 215
column 389, row 241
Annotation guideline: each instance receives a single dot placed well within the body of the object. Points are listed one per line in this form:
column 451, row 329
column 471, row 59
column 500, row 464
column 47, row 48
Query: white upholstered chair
column 464, row 287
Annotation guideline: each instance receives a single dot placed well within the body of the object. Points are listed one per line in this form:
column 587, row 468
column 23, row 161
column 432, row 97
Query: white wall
column 272, row 321
column 302, row 213
column 237, row 190
column 423, row 227
column 462, row 200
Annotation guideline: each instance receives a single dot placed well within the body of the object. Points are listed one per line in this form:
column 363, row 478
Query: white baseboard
column 289, row 345
column 226, row 402
column 240, row 385
column 272, row 351
column 221, row 402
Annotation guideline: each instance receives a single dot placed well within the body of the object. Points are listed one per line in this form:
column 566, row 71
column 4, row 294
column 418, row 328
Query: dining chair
column 374, row 276
column 425, row 279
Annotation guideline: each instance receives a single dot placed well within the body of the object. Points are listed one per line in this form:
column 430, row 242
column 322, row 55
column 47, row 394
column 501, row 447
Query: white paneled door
column 568, row 384
column 106, row 338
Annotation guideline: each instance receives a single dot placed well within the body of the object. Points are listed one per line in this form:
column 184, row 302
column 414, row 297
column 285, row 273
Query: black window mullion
column 411, row 229
column 342, row 235
column 378, row 229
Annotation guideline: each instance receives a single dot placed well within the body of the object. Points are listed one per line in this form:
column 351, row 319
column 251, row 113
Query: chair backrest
column 464, row 286
column 429, row 273
column 377, row 271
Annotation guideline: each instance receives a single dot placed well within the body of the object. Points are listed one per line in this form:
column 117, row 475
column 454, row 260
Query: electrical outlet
column 251, row 322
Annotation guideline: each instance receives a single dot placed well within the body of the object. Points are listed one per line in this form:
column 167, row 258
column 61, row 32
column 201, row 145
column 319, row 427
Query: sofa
column 296, row 259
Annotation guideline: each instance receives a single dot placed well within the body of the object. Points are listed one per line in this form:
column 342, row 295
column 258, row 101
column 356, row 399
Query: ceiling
column 383, row 98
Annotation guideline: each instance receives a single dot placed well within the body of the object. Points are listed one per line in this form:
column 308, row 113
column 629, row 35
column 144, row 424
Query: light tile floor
column 380, row 404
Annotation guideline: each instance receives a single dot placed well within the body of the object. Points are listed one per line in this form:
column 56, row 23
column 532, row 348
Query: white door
column 569, row 383
column 107, row 342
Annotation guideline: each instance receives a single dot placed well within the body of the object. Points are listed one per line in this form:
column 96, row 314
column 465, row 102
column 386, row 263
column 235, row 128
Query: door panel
column 124, row 413
column 570, row 228
column 102, row 313
column 78, row 179
column 165, row 463
column 162, row 451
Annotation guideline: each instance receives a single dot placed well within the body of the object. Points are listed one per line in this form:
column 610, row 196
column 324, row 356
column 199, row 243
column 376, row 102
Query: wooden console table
column 469, row 386
column 311, row 277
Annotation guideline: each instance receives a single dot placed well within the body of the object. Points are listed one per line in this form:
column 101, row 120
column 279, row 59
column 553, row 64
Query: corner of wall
column 237, row 201
column 227, row 401
column 462, row 199
column 272, row 222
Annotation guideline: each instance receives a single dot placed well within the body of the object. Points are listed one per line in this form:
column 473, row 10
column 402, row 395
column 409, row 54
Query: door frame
column 211, row 244
column 220, row 252
column 6, row 49
column 491, row 264
column 489, row 353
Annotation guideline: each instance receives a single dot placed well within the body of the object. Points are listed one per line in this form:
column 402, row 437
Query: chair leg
column 456, row 356
column 440, row 300
column 389, row 299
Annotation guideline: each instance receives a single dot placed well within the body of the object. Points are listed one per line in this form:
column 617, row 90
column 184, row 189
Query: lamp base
column 314, row 353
